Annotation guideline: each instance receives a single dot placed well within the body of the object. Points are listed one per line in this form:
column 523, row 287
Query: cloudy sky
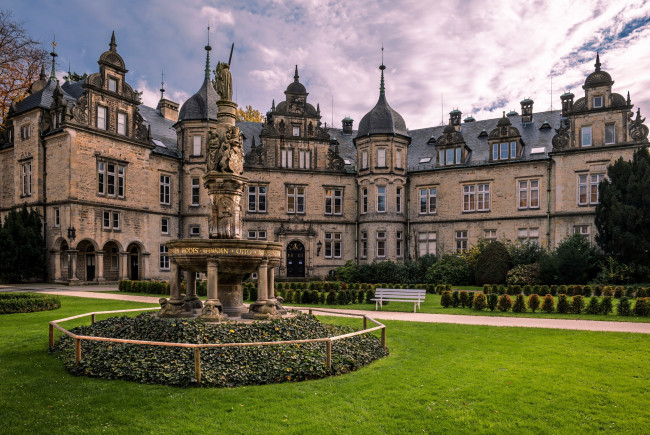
column 479, row 56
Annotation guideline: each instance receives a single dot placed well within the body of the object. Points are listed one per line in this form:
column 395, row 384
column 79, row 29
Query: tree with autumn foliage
column 21, row 58
column 249, row 114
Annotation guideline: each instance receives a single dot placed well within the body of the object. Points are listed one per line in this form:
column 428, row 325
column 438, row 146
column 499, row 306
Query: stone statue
column 225, row 152
column 223, row 82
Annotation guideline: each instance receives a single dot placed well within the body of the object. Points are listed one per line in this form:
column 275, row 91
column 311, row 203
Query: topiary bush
column 577, row 304
column 598, row 290
column 624, row 307
column 480, row 301
column 492, row 301
column 464, row 298
column 27, row 302
column 533, row 302
column 446, row 299
column 455, row 299
column 593, row 307
column 642, row 307
column 505, row 303
column 618, row 292
column 587, row 291
column 563, row 305
column 548, row 304
column 606, row 305
column 519, row 305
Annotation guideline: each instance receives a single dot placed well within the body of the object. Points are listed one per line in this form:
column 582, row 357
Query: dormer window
column 101, row 117
column 504, row 150
column 598, row 102
column 450, row 156
column 112, row 85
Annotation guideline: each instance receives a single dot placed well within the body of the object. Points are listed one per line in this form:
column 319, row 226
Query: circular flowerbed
column 220, row 367
column 27, row 302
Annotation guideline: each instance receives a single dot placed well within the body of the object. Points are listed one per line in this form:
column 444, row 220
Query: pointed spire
column 382, row 68
column 112, row 45
column 54, row 55
column 69, row 76
column 597, row 64
column 628, row 98
column 318, row 108
column 42, row 75
column 296, row 76
column 207, row 56
column 273, row 105
column 162, row 84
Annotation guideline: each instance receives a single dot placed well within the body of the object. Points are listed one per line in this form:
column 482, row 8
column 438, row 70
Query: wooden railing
column 197, row 347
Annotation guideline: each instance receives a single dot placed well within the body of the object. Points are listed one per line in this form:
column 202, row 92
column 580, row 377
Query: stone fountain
column 224, row 257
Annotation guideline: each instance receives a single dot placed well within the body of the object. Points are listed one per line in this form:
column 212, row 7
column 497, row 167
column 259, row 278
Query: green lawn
column 438, row 378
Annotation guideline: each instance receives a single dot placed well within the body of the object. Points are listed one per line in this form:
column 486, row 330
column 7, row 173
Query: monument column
column 123, row 265
column 212, row 280
column 271, row 283
column 190, row 295
column 174, row 284
column 73, row 264
column 262, row 290
column 100, row 265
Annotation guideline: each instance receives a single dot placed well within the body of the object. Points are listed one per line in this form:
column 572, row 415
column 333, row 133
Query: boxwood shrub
column 27, row 302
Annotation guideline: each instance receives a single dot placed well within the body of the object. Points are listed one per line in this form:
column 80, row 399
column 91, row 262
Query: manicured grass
column 438, row 378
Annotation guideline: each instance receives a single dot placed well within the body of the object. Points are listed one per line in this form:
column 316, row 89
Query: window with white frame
column 610, row 134
column 461, row 241
column 364, row 200
column 196, row 145
column 111, row 220
column 110, row 179
column 304, row 159
column 364, row 244
column 256, row 199
column 399, row 243
column 398, row 199
column 286, row 158
column 428, row 200
column 164, row 257
column 195, row 230
column 25, row 132
column 528, row 234
column 57, row 217
column 101, row 118
column 476, row 197
column 598, row 102
column 585, row 134
column 296, row 199
column 112, row 85
column 296, row 131
column 165, row 189
column 504, row 150
column 398, row 158
column 164, row 225
column 450, row 156
column 121, row 123
column 583, row 230
column 333, row 243
column 195, row 185
column 588, row 188
column 364, row 159
column 427, row 243
column 381, row 157
column 528, row 194
column 257, row 234
column 490, row 235
column 26, row 178
column 381, row 244
column 334, row 201
column 381, row 199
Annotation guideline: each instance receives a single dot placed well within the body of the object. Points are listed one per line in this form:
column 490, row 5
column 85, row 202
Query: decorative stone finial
column 296, row 76
column 273, row 106
column 597, row 65
column 42, row 76
column 112, row 45
column 162, row 84
column 628, row 101
column 382, row 68
column 207, row 55
column 54, row 55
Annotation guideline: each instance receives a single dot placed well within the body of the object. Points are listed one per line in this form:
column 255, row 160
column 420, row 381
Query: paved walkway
column 98, row 292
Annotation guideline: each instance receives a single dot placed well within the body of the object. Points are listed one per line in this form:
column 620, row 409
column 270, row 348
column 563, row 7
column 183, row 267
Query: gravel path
column 520, row 322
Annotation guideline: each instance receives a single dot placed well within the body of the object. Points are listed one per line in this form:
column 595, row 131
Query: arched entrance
column 112, row 261
column 90, row 263
column 295, row 259
column 134, row 263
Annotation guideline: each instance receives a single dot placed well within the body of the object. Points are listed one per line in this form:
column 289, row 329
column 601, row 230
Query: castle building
column 115, row 179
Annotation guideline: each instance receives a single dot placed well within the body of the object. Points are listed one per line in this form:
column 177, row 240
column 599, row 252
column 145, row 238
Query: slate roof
column 161, row 130
column 202, row 105
column 42, row 98
column 382, row 119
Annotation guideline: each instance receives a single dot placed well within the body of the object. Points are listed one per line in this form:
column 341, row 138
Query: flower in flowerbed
column 220, row 367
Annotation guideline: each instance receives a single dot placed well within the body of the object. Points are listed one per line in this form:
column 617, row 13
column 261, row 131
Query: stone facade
column 115, row 180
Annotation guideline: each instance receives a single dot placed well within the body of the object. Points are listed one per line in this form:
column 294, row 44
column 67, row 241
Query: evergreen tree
column 623, row 214
column 21, row 246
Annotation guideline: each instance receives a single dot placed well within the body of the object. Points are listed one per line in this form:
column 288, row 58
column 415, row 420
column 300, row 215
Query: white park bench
column 399, row 295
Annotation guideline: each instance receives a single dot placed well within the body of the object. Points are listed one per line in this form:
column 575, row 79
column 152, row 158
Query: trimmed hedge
column 27, row 302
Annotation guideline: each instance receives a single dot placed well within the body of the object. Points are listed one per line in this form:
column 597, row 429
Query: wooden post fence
column 197, row 365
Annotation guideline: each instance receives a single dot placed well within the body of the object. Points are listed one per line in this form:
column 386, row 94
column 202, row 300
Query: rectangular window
column 583, row 230
column 111, row 220
column 610, row 134
column 441, row 157
column 381, row 199
column 399, row 241
column 428, row 200
column 252, row 235
column 112, row 85
column 333, row 201
column 165, row 189
column 164, row 257
column 164, row 225
column 398, row 158
column 495, row 151
column 287, row 158
column 296, row 131
column 364, row 159
column 295, row 199
column 364, row 200
column 101, row 117
column 586, row 136
column 107, row 220
column 195, row 230
column 26, row 176
column 364, row 244
column 398, row 200
column 261, row 235
column 121, row 123
column 529, row 234
column 469, row 198
column 582, row 190
column 588, row 188
column 528, row 194
column 381, row 157
column 196, row 145
column 483, row 197
column 101, row 181
column 381, row 244
column 120, row 181
column 333, row 243
column 110, row 177
column 427, row 243
column 513, row 150
column 25, row 132
column 116, row 220
column 256, row 199
column 490, row 234
column 195, row 193
column 458, row 156
column 503, row 154
column 461, row 241
column 598, row 102
column 594, row 181
column 450, row 156
column 304, row 159
column 57, row 217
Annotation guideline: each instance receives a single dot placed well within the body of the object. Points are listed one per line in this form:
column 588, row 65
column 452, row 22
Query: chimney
column 168, row 109
column 527, row 110
column 454, row 118
column 567, row 102
column 347, row 125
